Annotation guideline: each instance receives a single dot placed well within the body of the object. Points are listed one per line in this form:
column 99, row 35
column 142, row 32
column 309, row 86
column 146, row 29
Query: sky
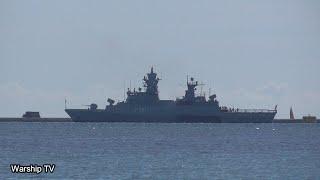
column 252, row 54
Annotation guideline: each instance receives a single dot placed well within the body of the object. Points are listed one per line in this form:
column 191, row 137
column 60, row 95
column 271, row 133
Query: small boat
column 30, row 114
column 309, row 119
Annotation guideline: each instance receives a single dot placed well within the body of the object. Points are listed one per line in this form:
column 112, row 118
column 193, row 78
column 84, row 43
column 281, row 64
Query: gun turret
column 92, row 106
column 110, row 101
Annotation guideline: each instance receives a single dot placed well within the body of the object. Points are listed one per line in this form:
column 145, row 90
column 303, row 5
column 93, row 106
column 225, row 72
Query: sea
column 161, row 151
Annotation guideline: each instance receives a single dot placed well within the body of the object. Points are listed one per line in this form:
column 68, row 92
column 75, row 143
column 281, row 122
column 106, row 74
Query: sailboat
column 291, row 114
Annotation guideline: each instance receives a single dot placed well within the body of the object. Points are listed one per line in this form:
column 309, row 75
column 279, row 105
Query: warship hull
column 81, row 115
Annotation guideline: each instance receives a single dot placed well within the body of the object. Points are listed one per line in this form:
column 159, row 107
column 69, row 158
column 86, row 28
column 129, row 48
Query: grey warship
column 145, row 106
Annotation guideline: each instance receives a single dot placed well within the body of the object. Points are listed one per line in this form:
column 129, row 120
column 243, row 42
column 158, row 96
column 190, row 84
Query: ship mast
column 151, row 83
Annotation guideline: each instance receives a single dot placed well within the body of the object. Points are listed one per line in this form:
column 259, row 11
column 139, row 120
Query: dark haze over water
column 162, row 151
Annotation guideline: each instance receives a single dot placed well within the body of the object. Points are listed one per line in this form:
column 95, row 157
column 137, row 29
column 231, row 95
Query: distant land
column 5, row 119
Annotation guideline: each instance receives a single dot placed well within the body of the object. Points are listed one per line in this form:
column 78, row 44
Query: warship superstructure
column 145, row 106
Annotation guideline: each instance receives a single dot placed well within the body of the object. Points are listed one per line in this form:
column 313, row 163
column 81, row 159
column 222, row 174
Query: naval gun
column 110, row 101
column 92, row 106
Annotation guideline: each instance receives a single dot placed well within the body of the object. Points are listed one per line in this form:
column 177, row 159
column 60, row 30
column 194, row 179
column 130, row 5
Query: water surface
column 162, row 151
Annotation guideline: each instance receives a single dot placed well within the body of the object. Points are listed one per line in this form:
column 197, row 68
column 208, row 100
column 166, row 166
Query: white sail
column 291, row 114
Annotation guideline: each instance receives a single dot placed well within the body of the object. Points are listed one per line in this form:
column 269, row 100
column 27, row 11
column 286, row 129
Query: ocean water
column 162, row 151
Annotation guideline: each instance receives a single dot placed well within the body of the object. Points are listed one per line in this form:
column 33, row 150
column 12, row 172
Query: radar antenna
column 201, row 84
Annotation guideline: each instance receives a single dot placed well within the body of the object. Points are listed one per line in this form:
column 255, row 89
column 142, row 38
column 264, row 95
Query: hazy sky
column 253, row 54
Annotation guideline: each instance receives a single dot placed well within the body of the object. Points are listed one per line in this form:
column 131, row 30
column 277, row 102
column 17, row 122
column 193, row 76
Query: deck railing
column 257, row 110
column 249, row 110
